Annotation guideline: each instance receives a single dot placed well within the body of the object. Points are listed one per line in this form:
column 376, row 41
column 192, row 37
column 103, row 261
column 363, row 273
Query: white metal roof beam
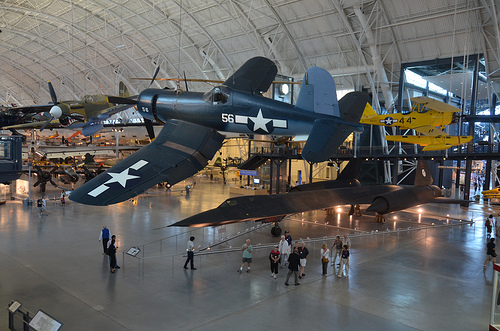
column 377, row 60
column 288, row 34
column 69, row 57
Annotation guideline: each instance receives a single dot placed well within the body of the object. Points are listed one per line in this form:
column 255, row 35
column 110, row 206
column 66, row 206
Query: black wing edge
column 181, row 150
column 254, row 76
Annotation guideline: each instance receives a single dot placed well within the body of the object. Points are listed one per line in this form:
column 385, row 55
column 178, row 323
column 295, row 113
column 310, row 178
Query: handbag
column 325, row 260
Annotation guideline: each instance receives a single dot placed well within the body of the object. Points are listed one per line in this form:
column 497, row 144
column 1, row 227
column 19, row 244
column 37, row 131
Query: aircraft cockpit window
column 209, row 96
column 5, row 150
column 229, row 203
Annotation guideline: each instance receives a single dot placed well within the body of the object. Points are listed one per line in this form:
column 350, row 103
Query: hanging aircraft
column 431, row 143
column 428, row 117
column 382, row 199
column 192, row 120
column 491, row 194
column 85, row 115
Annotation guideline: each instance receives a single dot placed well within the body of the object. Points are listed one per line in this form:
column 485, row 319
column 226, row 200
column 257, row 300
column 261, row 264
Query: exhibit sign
column 44, row 322
column 248, row 172
column 133, row 251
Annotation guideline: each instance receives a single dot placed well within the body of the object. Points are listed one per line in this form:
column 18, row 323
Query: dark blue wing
column 181, row 150
column 254, row 76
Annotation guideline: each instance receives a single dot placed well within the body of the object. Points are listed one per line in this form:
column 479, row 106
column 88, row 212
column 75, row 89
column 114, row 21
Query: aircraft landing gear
column 357, row 210
column 351, row 211
column 379, row 218
column 276, row 230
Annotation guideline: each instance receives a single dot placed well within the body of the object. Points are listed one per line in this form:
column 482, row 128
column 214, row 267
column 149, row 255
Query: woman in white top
column 325, row 253
column 284, row 249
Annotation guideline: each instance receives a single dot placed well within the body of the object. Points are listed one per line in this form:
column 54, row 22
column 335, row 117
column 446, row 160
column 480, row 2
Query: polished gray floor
column 400, row 278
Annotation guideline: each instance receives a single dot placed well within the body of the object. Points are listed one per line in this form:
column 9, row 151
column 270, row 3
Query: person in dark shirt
column 293, row 267
column 344, row 262
column 490, row 253
column 274, row 258
column 111, row 250
column 303, row 254
column 288, row 238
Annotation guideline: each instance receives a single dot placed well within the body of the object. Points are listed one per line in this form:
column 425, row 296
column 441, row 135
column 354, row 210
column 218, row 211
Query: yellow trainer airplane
column 428, row 117
column 491, row 194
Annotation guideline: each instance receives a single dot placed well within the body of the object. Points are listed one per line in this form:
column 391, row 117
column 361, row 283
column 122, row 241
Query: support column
column 395, row 172
column 487, row 176
column 310, row 172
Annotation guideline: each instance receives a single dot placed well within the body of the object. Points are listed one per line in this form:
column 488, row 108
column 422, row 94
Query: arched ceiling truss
column 88, row 47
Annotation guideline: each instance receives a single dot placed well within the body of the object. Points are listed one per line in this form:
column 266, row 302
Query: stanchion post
column 26, row 320
column 11, row 321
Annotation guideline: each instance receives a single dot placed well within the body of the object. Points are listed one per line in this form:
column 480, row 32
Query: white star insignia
column 121, row 177
column 260, row 122
column 118, row 177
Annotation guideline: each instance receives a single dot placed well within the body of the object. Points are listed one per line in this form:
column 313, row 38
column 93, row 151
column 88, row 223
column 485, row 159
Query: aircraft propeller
column 127, row 101
column 56, row 111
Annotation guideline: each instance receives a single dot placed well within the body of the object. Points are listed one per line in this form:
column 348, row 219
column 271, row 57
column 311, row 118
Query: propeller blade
column 154, row 76
column 121, row 100
column 52, row 93
column 185, row 81
column 46, row 123
column 149, row 127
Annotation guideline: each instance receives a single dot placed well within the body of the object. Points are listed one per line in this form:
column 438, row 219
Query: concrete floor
column 427, row 279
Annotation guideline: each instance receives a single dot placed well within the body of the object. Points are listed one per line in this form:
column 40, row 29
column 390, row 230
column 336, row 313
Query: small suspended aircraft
column 429, row 117
column 491, row 194
column 192, row 120
column 85, row 115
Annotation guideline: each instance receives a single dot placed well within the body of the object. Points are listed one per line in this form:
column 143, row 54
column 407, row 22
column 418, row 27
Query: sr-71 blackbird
column 192, row 120
column 382, row 199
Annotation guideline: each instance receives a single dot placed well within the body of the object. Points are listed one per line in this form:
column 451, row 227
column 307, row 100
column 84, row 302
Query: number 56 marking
column 227, row 118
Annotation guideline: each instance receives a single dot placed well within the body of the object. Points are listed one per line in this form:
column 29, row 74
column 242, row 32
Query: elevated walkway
column 254, row 162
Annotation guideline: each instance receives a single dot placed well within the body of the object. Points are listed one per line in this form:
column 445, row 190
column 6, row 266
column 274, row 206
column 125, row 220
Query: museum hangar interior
column 414, row 268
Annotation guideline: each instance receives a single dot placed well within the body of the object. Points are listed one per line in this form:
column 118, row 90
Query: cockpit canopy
column 218, row 95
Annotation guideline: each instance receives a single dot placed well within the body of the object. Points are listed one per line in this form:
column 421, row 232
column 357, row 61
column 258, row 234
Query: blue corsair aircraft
column 190, row 137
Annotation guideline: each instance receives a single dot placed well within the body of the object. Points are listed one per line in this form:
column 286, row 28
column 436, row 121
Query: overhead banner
column 248, row 172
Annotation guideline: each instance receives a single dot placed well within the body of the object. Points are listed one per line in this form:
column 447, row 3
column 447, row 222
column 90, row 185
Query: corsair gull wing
column 181, row 150
column 255, row 76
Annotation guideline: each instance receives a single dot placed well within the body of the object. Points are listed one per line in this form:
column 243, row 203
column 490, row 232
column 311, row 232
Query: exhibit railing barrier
column 495, row 301
column 19, row 315
column 154, row 251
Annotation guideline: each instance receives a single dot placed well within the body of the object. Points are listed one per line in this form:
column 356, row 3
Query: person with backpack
column 112, row 254
column 490, row 253
column 489, row 225
column 41, row 204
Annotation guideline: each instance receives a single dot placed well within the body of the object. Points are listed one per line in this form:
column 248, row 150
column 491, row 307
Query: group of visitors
column 339, row 249
column 109, row 247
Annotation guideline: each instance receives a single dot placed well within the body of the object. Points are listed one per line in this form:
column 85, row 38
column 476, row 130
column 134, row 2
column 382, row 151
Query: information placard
column 44, row 322
column 14, row 306
column 133, row 251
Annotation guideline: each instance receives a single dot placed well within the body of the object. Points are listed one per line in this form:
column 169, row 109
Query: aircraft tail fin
column 369, row 112
column 423, row 175
column 318, row 93
column 351, row 170
column 328, row 134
